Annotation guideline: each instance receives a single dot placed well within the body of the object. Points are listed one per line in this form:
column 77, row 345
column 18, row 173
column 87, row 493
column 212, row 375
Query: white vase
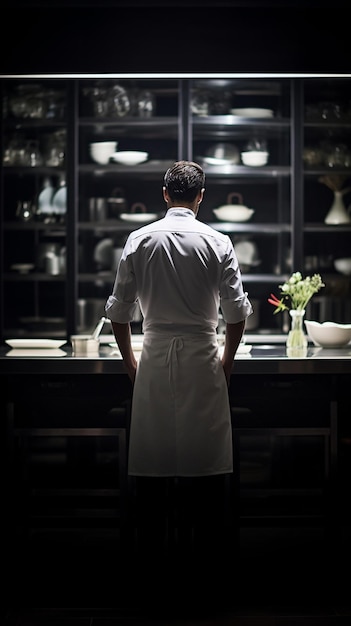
column 337, row 213
column 296, row 342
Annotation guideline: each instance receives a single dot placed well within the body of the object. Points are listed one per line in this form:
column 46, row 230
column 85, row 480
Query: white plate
column 103, row 252
column 138, row 217
column 33, row 352
column 22, row 268
column 244, row 348
column 35, row 343
column 214, row 161
column 252, row 112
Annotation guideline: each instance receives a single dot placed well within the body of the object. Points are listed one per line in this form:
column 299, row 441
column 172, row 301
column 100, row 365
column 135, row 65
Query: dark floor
column 276, row 580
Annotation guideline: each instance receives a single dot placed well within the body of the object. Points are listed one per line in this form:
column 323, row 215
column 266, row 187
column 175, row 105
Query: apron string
column 176, row 344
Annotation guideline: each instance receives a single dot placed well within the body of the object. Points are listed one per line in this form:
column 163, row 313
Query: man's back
column 179, row 267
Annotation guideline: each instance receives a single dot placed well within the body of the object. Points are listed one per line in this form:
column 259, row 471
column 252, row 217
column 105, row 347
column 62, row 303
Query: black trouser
column 181, row 516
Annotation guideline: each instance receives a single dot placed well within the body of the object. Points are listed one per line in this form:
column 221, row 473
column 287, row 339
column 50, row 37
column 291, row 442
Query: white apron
column 180, row 421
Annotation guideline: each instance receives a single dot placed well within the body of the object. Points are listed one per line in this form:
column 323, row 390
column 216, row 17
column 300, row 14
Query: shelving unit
column 179, row 118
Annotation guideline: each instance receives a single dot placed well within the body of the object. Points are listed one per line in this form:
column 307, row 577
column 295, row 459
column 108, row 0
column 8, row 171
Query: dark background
column 180, row 36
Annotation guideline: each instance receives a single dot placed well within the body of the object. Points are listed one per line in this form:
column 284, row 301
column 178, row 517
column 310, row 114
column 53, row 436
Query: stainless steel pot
column 116, row 203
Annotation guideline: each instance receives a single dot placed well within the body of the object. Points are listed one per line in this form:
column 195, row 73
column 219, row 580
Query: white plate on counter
column 36, row 343
column 36, row 352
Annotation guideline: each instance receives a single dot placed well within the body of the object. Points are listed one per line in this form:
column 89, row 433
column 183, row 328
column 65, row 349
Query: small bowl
column 343, row 266
column 84, row 345
column 328, row 334
column 254, row 158
column 101, row 151
column 130, row 157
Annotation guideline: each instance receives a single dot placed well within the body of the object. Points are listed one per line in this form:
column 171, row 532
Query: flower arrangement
column 335, row 182
column 296, row 292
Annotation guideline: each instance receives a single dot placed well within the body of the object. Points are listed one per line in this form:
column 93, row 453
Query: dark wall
column 174, row 39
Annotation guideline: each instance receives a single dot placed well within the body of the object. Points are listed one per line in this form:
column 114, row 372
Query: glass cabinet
column 327, row 194
column 82, row 166
column 129, row 133
column 34, row 208
column 242, row 134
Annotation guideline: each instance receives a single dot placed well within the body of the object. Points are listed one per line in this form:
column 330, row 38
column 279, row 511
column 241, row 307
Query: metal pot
column 116, row 203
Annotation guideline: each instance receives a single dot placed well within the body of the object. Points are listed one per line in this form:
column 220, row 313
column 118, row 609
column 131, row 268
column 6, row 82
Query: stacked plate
column 36, row 347
column 252, row 112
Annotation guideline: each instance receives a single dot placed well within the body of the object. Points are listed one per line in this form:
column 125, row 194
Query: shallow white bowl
column 328, row 334
column 343, row 266
column 233, row 213
column 254, row 159
column 129, row 157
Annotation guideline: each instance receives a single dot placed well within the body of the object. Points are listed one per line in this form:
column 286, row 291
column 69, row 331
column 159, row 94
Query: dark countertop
column 263, row 359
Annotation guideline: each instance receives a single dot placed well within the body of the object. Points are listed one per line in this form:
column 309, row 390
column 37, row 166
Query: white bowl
column 233, row 213
column 343, row 265
column 254, row 158
column 130, row 157
column 101, row 151
column 328, row 334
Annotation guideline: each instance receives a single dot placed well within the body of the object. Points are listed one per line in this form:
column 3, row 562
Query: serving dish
column 129, row 157
column 252, row 112
column 233, row 214
column 328, row 334
column 35, row 343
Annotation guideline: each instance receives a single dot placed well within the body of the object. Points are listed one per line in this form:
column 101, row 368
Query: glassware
column 145, row 103
column 296, row 343
column 34, row 157
column 24, row 211
column 119, row 101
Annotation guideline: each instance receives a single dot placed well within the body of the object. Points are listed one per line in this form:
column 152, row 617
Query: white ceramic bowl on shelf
column 343, row 266
column 328, row 334
column 130, row 157
column 101, row 151
column 254, row 158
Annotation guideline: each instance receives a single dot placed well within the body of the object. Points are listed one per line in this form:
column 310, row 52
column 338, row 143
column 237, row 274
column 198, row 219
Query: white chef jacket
column 181, row 271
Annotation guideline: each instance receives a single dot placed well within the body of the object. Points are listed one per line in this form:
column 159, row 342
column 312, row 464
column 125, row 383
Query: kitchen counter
column 263, row 359
column 65, row 443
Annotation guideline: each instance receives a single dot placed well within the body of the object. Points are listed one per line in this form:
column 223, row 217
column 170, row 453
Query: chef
column 180, row 272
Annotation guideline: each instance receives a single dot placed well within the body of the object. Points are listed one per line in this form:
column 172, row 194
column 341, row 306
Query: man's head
column 184, row 184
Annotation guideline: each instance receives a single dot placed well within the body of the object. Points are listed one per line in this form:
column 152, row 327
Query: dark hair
column 184, row 180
